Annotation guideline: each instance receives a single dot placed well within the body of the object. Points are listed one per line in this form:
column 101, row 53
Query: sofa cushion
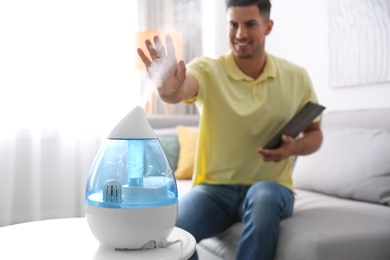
column 352, row 163
column 326, row 227
column 322, row 227
column 187, row 141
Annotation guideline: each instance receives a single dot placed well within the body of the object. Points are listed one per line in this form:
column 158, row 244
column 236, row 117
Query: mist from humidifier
column 178, row 18
column 136, row 163
column 161, row 68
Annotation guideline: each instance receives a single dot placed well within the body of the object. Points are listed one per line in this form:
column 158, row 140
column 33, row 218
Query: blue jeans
column 208, row 210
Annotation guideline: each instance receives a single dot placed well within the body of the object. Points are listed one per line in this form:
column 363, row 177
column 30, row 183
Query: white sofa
column 342, row 208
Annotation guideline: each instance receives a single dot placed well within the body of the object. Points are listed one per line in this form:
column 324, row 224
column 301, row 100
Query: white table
column 71, row 238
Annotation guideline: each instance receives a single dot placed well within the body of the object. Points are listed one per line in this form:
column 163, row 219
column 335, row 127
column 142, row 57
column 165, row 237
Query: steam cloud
column 161, row 68
column 183, row 16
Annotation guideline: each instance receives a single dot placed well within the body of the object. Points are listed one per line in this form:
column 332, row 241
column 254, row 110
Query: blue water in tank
column 131, row 173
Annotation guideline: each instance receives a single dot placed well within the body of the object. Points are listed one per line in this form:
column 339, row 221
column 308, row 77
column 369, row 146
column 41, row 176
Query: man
column 243, row 98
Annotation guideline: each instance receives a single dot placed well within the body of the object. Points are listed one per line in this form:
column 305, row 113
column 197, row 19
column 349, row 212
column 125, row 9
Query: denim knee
column 264, row 197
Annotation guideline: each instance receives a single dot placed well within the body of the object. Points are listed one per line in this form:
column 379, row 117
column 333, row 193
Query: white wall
column 214, row 38
column 300, row 34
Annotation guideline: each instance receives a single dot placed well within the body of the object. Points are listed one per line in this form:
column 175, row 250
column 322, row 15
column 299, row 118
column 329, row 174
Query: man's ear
column 269, row 26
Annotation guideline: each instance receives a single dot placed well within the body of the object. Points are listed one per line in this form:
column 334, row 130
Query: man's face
column 247, row 31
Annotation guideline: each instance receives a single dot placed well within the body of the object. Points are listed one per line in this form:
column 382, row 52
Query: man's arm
column 169, row 76
column 308, row 143
column 188, row 89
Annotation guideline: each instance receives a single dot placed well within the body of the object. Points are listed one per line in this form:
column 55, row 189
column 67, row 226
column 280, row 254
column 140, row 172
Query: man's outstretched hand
column 163, row 69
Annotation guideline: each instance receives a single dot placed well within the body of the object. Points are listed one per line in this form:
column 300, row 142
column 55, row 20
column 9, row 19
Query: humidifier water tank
column 131, row 195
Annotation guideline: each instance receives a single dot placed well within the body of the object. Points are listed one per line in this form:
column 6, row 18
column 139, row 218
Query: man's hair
column 263, row 5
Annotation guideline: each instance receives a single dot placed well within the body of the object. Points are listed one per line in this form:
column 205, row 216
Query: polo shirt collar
column 269, row 71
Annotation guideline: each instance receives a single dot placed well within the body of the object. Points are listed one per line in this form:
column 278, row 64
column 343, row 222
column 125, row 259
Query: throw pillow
column 188, row 137
column 170, row 144
column 352, row 163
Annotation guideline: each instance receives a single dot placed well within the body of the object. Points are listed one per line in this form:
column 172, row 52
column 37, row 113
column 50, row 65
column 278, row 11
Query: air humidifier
column 131, row 194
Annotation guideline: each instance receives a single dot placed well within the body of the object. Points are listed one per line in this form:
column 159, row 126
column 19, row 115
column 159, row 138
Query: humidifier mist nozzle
column 136, row 163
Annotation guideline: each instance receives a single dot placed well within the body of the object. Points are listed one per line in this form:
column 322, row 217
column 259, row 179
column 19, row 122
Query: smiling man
column 243, row 97
column 248, row 29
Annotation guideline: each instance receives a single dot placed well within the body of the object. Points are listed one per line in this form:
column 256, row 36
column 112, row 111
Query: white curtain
column 43, row 174
column 67, row 76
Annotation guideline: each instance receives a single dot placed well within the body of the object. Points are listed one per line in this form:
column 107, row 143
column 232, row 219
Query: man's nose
column 241, row 32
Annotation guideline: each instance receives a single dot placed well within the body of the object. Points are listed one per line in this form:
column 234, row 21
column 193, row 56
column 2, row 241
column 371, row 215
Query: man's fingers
column 152, row 51
column 160, row 50
column 171, row 52
column 144, row 58
column 158, row 57
column 181, row 70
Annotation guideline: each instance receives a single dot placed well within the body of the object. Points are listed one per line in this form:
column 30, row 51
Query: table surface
column 71, row 238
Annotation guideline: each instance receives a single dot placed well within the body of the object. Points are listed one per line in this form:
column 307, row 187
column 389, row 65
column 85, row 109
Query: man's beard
column 246, row 55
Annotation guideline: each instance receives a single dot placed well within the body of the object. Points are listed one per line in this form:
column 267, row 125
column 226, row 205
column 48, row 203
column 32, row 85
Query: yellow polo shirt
column 240, row 114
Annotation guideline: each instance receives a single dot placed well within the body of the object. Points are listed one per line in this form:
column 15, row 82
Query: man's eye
column 233, row 25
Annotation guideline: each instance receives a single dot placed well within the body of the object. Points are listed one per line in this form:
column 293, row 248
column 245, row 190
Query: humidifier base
column 133, row 228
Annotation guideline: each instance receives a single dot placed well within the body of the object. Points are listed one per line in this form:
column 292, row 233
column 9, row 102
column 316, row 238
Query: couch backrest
column 158, row 121
column 367, row 118
column 354, row 159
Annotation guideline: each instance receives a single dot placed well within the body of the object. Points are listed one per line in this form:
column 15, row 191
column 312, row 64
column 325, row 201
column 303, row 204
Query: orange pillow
column 188, row 137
